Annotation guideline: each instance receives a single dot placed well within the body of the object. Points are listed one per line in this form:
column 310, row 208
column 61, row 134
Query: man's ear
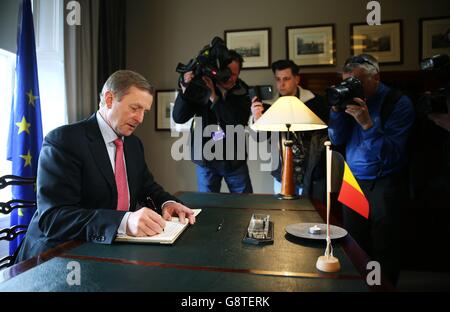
column 376, row 77
column 297, row 79
column 109, row 98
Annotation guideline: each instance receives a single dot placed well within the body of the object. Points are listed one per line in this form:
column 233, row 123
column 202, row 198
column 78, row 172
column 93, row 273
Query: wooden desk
column 203, row 259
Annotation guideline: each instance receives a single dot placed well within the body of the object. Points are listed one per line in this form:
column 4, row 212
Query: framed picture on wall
column 383, row 41
column 434, row 36
column 312, row 45
column 163, row 111
column 252, row 44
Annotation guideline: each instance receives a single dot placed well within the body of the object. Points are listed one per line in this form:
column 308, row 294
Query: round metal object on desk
column 302, row 230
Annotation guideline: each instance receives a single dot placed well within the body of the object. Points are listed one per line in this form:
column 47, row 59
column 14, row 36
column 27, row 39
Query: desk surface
column 202, row 259
column 243, row 201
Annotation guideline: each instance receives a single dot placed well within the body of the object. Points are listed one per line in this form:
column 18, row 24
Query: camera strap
column 387, row 107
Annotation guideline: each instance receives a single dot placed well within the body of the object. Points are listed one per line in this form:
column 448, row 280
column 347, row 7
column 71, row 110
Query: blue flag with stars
column 25, row 130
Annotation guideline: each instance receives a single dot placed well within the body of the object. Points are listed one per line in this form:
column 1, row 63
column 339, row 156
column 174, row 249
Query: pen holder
column 260, row 230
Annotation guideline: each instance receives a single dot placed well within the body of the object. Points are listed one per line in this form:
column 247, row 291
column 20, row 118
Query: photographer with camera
column 308, row 148
column 373, row 122
column 220, row 98
column 436, row 105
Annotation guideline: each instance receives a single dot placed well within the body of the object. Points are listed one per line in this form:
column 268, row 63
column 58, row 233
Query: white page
column 172, row 230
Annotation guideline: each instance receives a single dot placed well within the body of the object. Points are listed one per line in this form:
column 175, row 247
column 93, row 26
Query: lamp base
column 288, row 197
column 328, row 264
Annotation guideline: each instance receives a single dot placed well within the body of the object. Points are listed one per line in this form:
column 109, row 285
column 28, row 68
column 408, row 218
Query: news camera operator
column 227, row 103
column 373, row 123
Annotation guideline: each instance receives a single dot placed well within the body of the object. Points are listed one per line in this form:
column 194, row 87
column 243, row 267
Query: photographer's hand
column 360, row 113
column 187, row 77
column 257, row 108
column 209, row 83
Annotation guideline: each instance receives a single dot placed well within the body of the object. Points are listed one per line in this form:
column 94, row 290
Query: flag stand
column 327, row 262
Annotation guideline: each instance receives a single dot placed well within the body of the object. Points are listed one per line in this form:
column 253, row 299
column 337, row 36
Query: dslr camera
column 212, row 61
column 435, row 102
column 342, row 95
column 261, row 92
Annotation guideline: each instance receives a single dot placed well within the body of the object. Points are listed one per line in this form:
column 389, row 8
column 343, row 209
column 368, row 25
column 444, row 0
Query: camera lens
column 339, row 96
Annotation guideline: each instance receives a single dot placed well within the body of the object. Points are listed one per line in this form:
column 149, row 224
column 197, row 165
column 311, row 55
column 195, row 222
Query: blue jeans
column 209, row 179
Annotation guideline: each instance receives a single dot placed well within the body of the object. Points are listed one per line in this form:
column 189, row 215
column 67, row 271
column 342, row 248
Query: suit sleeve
column 62, row 215
column 184, row 110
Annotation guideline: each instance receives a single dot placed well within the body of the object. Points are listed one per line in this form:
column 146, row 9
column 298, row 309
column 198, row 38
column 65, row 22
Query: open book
column 171, row 232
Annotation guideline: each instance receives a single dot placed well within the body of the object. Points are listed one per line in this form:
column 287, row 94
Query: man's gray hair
column 365, row 61
column 121, row 81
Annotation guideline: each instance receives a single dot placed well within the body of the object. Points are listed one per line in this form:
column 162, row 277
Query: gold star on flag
column 31, row 97
column 23, row 126
column 19, row 212
column 27, row 159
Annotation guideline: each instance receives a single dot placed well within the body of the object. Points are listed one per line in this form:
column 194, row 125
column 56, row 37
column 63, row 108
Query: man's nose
column 139, row 117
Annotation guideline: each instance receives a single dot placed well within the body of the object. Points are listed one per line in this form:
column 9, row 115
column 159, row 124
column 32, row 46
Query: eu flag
column 25, row 129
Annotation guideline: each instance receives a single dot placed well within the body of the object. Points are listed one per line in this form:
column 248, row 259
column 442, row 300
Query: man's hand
column 145, row 222
column 209, row 83
column 176, row 209
column 187, row 77
column 257, row 108
column 360, row 113
column 334, row 109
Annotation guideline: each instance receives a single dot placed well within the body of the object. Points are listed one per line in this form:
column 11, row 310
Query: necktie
column 121, row 177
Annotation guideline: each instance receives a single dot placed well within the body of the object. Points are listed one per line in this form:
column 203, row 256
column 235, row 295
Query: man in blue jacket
column 376, row 153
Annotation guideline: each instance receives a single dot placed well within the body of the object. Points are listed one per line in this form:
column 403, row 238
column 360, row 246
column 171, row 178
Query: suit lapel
column 99, row 152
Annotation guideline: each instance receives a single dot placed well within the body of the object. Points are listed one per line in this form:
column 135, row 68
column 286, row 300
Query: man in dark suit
column 93, row 182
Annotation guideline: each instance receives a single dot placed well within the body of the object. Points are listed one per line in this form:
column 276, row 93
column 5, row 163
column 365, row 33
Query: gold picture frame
column 163, row 111
column 384, row 42
column 252, row 44
column 311, row 45
column 433, row 32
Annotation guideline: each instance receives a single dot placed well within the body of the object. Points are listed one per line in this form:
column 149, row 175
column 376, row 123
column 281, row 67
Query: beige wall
column 161, row 33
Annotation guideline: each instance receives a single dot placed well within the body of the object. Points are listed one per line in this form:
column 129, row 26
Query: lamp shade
column 288, row 110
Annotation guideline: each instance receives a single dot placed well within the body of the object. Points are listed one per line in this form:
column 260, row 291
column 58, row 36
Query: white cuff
column 123, row 224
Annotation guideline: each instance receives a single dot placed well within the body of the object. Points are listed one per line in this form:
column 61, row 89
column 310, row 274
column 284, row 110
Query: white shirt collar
column 108, row 134
column 305, row 95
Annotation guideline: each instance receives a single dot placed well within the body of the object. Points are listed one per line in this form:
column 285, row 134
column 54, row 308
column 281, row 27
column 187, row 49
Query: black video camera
column 440, row 62
column 342, row 95
column 435, row 102
column 212, row 61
